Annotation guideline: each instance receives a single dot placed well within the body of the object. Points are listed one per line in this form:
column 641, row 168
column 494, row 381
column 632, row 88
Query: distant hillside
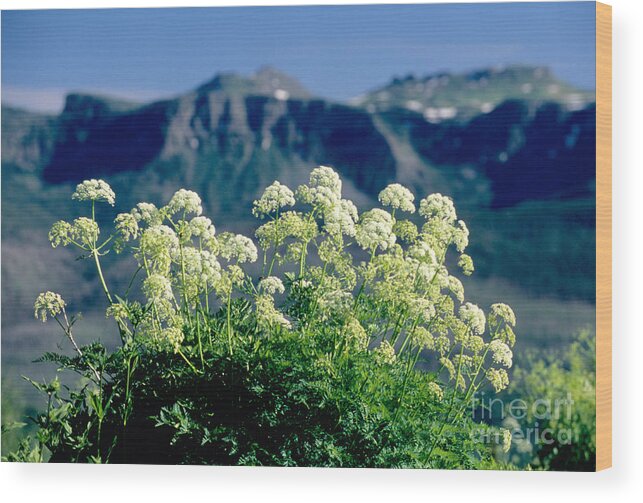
column 525, row 150
column 445, row 96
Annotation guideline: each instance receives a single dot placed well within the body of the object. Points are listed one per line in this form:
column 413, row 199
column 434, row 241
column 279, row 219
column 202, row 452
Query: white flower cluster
column 323, row 176
column 406, row 231
column 158, row 288
column 421, row 309
column 173, row 336
column 461, row 236
column 158, row 245
column 324, row 189
column 85, row 230
column 202, row 228
column 335, row 303
column 503, row 312
column 500, row 353
column 475, row 344
column 466, row 264
column 117, row 311
column 397, row 197
column 271, row 285
column 456, row 288
column 354, row 331
column 385, row 353
column 237, row 247
column 375, row 230
column 340, row 218
column 439, row 207
column 48, row 303
column 186, row 202
column 200, row 268
column 275, row 197
column 268, row 315
column 210, row 268
column 127, row 225
column 407, row 300
column 473, row 316
column 61, row 233
column 422, row 338
column 289, row 224
column 94, row 190
column 422, row 251
column 147, row 213
column 448, row 364
column 498, row 379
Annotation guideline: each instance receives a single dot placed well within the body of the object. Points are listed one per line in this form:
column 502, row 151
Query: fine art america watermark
column 523, row 421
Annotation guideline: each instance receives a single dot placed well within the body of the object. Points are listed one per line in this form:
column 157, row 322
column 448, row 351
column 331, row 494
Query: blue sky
column 336, row 51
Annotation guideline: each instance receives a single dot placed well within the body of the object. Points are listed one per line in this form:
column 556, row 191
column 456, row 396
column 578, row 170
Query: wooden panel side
column 603, row 236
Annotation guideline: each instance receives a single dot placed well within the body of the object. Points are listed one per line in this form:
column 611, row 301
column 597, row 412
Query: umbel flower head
column 439, row 207
column 324, row 189
column 61, row 233
column 94, row 190
column 237, row 247
column 147, row 213
column 85, row 230
column 500, row 353
column 157, row 288
column 268, row 315
column 466, row 264
column 202, row 227
column 159, row 244
column 335, row 303
column 48, row 303
column 397, row 197
column 271, row 285
column 323, row 176
column 385, row 353
column 127, row 225
column 503, row 312
column 275, row 197
column 185, row 201
column 473, row 316
column 375, row 230
column 498, row 379
column 340, row 218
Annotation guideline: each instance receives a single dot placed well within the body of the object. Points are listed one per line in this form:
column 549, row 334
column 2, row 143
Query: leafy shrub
column 565, row 387
column 314, row 363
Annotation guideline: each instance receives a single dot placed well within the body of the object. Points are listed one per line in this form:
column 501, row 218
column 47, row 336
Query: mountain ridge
column 233, row 127
column 445, row 96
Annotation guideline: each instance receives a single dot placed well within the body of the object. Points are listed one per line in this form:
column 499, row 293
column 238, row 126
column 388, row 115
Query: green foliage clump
column 565, row 388
column 313, row 363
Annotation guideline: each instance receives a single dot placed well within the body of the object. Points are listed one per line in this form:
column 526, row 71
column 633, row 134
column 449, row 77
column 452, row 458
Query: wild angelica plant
column 313, row 363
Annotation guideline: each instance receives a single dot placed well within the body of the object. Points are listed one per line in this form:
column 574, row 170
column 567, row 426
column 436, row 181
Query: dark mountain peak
column 519, row 72
column 89, row 105
column 267, row 81
column 510, row 72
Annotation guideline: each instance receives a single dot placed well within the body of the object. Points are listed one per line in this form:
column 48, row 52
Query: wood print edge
column 603, row 236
